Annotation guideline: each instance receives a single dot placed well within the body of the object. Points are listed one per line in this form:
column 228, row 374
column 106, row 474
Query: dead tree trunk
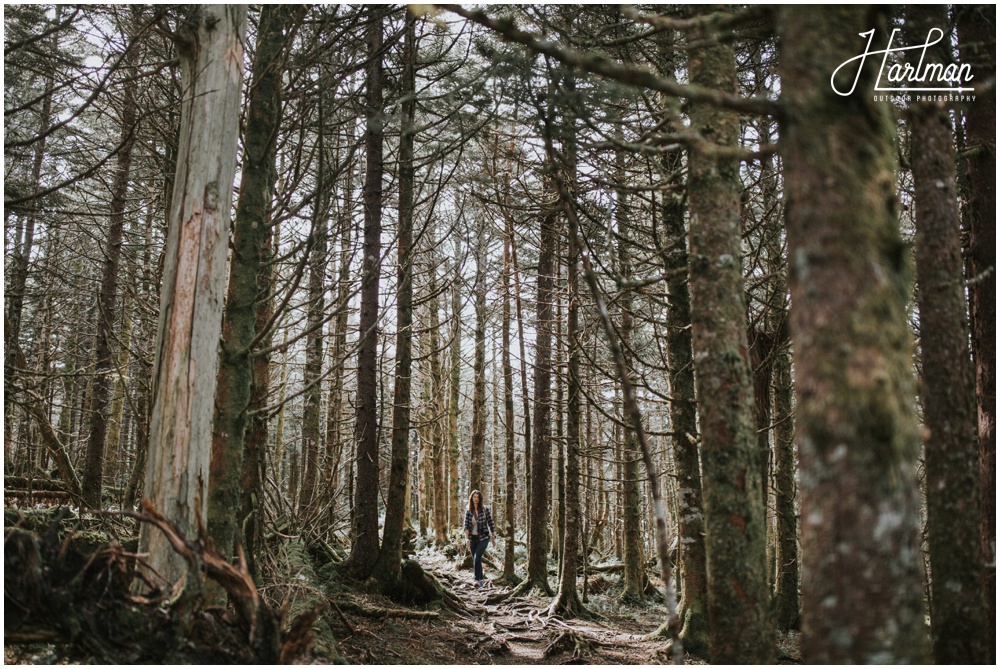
column 194, row 274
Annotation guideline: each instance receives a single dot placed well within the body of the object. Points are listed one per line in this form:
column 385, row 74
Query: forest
column 700, row 300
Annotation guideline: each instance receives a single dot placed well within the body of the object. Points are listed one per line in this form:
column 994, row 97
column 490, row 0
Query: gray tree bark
column 194, row 274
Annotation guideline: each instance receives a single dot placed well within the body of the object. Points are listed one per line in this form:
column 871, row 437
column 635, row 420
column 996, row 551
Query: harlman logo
column 924, row 81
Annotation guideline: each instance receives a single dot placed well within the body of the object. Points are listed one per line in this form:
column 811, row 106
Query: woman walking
column 479, row 530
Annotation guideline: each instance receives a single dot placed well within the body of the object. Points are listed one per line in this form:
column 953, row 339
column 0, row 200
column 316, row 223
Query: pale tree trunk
column 365, row 547
column 857, row 429
column 525, row 397
column 947, row 387
column 437, row 482
column 738, row 596
column 194, row 274
column 567, row 602
column 435, row 422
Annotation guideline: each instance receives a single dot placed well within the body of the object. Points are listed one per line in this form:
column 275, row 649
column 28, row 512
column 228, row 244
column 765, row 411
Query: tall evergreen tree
column 859, row 440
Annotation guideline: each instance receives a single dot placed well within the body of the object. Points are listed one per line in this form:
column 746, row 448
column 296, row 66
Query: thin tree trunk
column 634, row 576
column 365, row 547
column 858, row 434
column 525, row 397
column 313, row 370
column 389, row 565
column 194, row 274
column 104, row 365
column 478, row 445
column 567, row 602
column 249, row 284
column 510, row 487
column 951, row 449
column 558, row 462
column 538, row 511
column 454, row 388
column 786, row 593
column 438, row 480
column 335, row 413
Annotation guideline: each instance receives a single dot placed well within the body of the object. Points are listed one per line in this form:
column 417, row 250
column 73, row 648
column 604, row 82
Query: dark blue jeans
column 478, row 546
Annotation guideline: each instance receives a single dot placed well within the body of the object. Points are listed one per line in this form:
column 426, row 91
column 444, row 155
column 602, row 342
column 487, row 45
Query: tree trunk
column 738, row 597
column 437, row 482
column 249, row 285
column 312, row 373
column 857, row 428
column 684, row 426
column 510, row 486
column 22, row 247
column 634, row 576
column 977, row 45
column 525, row 397
column 389, row 566
column 478, row 445
column 364, row 550
column 541, row 447
column 454, row 387
column 786, row 591
column 335, row 401
column 567, row 602
column 194, row 274
column 104, row 364
column 951, row 449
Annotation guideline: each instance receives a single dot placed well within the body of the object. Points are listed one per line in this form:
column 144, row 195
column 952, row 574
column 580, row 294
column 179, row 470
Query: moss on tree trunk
column 850, row 279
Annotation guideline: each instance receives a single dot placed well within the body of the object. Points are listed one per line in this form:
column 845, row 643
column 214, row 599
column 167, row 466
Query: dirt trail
column 514, row 631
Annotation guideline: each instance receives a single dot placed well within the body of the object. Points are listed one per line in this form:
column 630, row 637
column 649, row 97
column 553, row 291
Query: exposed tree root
column 569, row 640
column 569, row 606
column 693, row 632
column 379, row 612
column 511, row 580
column 57, row 591
column 530, row 584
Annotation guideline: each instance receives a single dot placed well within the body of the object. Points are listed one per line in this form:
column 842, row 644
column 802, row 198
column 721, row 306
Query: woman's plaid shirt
column 485, row 520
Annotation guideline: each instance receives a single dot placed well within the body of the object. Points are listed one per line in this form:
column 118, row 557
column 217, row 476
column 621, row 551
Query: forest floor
column 514, row 631
column 76, row 564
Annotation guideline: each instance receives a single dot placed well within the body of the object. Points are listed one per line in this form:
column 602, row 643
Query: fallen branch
column 380, row 612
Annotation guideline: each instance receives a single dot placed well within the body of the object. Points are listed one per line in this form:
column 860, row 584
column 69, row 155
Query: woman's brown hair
column 481, row 505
